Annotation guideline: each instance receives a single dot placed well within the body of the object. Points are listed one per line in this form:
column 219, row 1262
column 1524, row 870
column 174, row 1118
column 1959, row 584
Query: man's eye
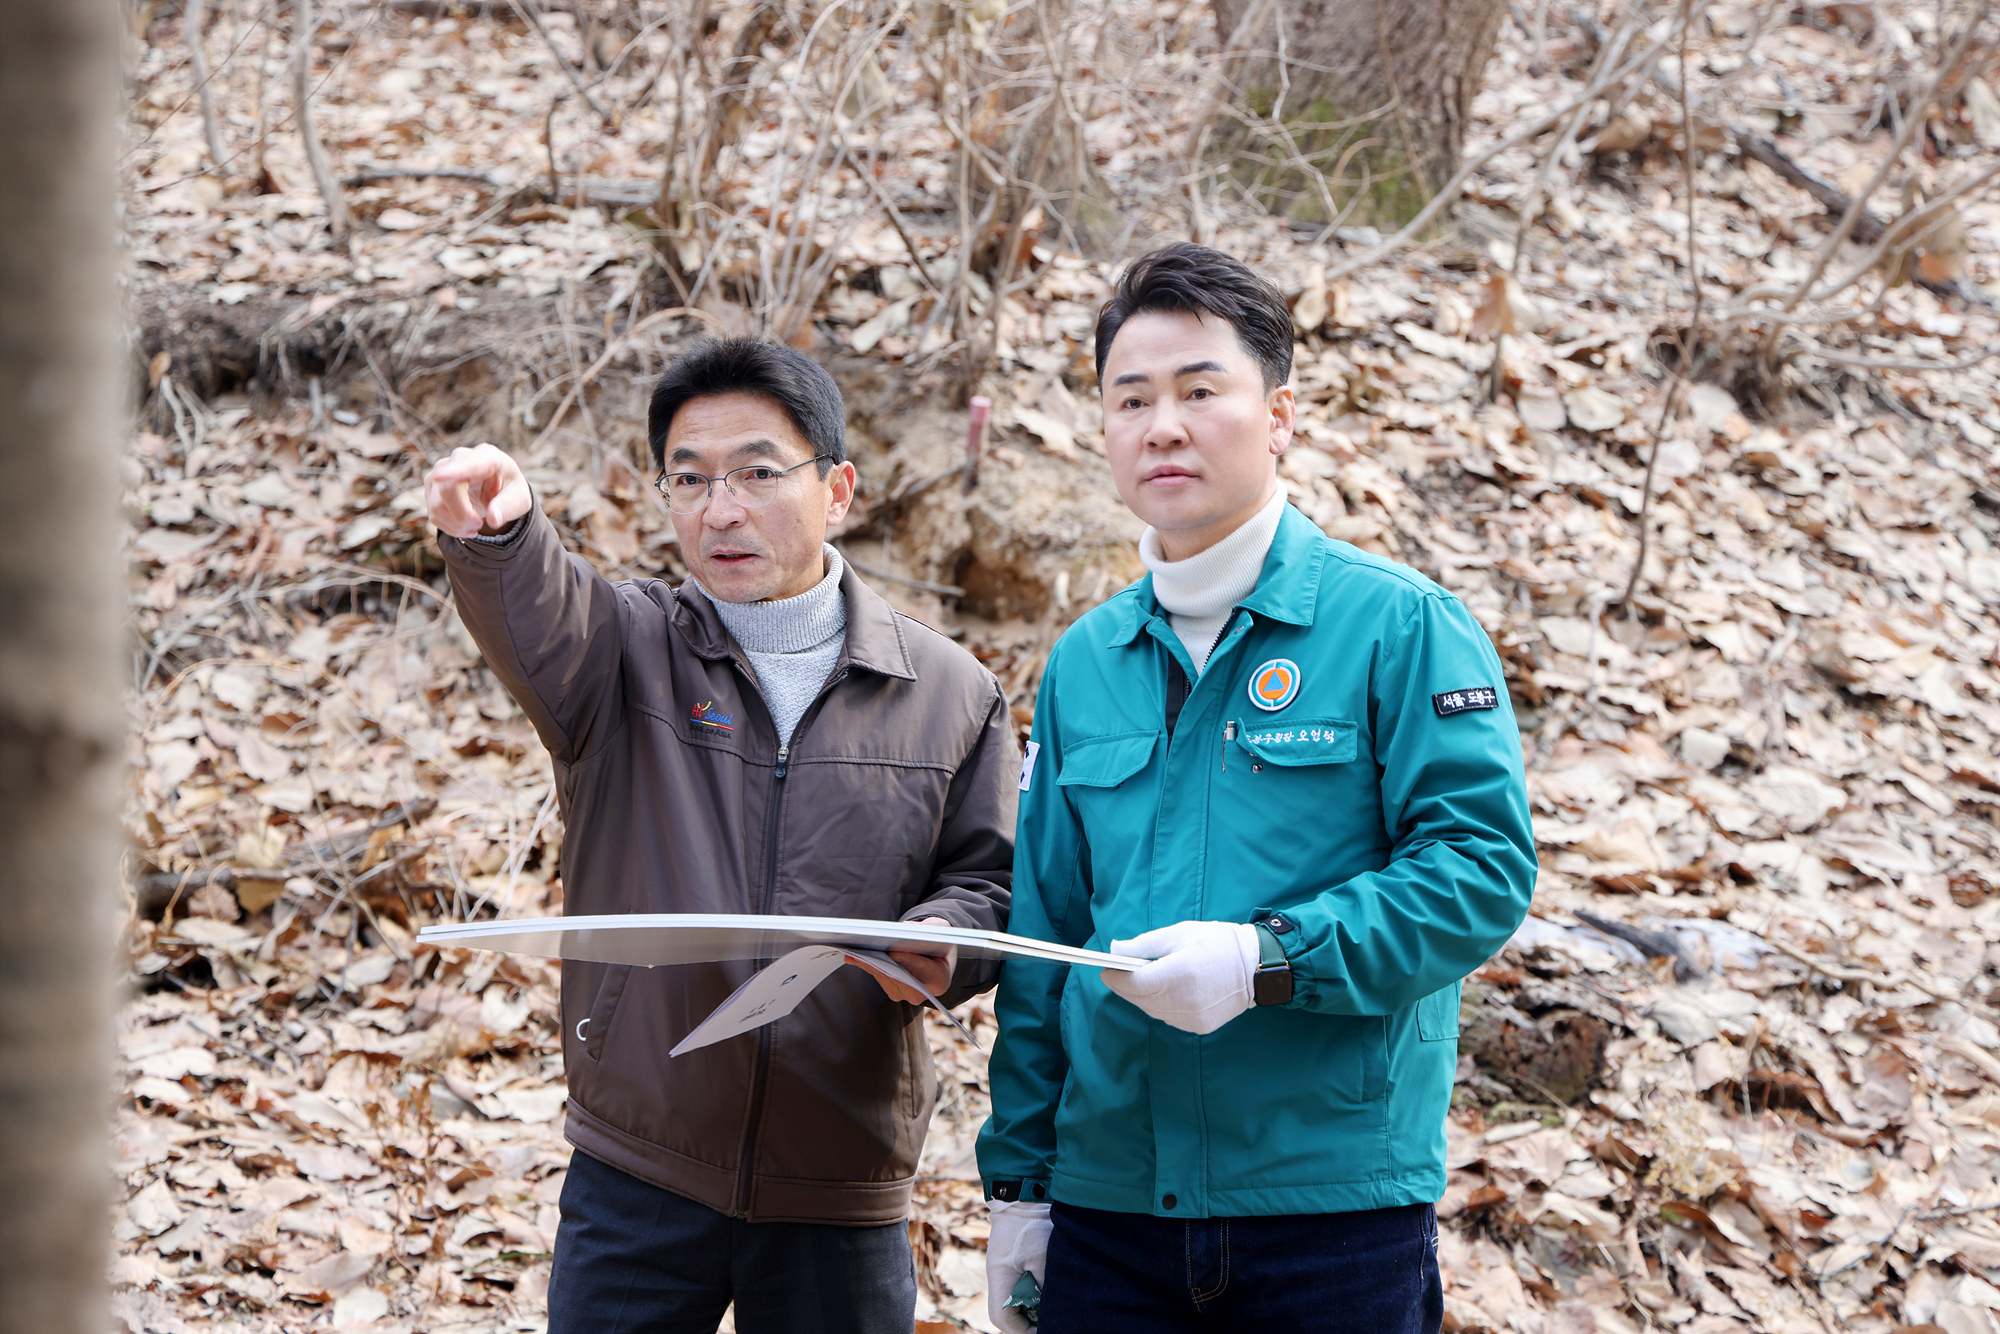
column 1199, row 393
column 1130, row 403
column 686, row 481
column 759, row 474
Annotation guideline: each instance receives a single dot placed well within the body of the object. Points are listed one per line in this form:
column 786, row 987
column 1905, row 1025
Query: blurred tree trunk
column 60, row 600
column 1353, row 110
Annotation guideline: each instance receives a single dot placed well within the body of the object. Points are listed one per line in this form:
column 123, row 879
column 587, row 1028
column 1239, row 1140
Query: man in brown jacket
column 770, row 737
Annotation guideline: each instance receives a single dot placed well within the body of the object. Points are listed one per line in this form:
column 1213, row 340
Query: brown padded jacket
column 895, row 800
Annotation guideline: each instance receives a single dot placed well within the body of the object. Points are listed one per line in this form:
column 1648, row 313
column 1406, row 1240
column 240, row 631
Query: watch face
column 1272, row 986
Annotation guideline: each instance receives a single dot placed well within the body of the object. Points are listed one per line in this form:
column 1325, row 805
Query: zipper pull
column 784, row 755
column 1228, row 735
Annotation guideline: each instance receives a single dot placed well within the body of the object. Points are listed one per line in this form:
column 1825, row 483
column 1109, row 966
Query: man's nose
column 724, row 509
column 1164, row 426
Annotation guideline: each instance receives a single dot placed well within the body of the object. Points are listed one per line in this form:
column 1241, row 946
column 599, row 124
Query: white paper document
column 652, row 939
column 776, row 991
column 807, row 949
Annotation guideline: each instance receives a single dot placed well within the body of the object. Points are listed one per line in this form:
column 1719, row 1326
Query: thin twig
column 526, row 9
column 194, row 19
column 1248, row 29
column 942, row 590
column 1870, row 363
column 1531, row 206
column 338, row 221
column 895, row 215
column 613, row 350
column 371, row 172
column 1915, row 117
column 1690, row 341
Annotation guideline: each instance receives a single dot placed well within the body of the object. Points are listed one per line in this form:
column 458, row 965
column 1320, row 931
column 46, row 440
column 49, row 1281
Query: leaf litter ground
column 1740, row 1069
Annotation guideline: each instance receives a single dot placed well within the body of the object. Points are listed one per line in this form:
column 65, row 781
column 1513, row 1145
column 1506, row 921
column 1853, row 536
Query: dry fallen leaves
column 1762, row 1092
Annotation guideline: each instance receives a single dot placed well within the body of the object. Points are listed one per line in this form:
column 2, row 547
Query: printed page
column 776, row 991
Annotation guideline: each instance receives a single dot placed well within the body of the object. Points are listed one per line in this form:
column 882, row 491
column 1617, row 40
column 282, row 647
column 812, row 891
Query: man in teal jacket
column 1287, row 772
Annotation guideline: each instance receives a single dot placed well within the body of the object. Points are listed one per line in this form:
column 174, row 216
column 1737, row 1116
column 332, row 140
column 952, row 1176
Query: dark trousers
column 1373, row 1272
column 632, row 1258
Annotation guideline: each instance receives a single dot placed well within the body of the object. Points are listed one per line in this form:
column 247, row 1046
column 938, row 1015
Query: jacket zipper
column 760, row 1076
column 1229, row 729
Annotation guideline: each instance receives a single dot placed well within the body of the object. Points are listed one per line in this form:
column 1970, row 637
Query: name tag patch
column 1461, row 701
column 1297, row 737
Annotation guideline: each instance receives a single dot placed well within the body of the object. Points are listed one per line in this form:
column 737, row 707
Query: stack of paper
column 807, row 949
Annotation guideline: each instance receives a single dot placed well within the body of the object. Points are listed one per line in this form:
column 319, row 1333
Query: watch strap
column 1272, row 982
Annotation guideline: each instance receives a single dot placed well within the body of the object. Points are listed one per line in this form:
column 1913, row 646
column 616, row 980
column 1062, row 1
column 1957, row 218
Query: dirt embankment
column 1041, row 533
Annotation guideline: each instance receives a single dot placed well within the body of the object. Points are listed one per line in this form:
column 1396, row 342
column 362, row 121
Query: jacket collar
column 874, row 639
column 1287, row 590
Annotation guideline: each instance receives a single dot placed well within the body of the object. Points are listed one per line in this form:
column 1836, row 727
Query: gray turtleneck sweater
column 1200, row 592
column 792, row 643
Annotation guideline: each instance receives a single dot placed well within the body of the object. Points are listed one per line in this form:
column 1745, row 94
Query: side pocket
column 1437, row 1015
column 1375, row 1062
column 597, row 1025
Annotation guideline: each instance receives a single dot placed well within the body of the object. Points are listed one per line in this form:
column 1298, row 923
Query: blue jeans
column 632, row 1257
column 1372, row 1272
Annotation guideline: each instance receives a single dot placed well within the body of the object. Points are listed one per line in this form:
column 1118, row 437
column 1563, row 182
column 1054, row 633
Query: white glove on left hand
column 1201, row 976
column 1019, row 1244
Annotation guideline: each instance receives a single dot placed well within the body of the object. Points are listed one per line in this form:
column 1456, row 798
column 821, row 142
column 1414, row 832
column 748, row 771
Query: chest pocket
column 1105, row 761
column 1302, row 741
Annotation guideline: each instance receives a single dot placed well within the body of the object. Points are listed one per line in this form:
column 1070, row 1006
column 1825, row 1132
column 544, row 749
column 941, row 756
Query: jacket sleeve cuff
column 972, row 976
column 500, row 546
column 506, row 537
column 953, row 911
column 1009, row 1190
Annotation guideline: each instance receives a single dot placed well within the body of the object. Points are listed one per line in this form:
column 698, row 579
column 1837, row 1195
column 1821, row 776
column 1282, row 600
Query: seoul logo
column 1275, row 684
column 710, row 716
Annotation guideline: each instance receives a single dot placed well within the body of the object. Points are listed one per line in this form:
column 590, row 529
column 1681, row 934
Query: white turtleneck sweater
column 1199, row 593
column 792, row 643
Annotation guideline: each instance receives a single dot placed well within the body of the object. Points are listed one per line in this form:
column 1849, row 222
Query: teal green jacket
column 1381, row 807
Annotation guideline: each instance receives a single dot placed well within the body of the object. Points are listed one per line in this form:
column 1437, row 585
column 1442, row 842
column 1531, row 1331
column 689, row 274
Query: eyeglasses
column 753, row 487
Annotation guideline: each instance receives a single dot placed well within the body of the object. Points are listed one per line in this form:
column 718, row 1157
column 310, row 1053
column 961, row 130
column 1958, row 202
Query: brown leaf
column 1495, row 312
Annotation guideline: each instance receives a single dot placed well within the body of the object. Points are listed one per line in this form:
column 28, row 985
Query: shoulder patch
column 1028, row 764
column 1461, row 701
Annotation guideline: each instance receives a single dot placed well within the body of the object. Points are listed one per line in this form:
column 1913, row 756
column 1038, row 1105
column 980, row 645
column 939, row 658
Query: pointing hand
column 476, row 490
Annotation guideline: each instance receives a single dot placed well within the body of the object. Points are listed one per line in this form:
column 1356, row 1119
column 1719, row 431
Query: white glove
column 1019, row 1243
column 1201, row 976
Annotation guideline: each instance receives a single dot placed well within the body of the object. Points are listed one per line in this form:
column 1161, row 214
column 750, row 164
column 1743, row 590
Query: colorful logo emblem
column 709, row 716
column 1275, row 684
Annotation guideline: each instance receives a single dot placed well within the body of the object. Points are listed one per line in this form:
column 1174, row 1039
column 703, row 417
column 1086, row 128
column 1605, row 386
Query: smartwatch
column 1272, row 983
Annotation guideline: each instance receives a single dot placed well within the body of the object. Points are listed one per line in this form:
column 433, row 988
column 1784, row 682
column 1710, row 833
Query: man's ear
column 840, row 482
column 1284, row 417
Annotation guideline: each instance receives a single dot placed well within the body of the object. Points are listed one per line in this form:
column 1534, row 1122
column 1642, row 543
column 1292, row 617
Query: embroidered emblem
column 709, row 716
column 1459, row 701
column 1028, row 764
column 1275, row 684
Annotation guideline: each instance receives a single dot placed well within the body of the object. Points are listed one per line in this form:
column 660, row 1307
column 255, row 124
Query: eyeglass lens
column 753, row 487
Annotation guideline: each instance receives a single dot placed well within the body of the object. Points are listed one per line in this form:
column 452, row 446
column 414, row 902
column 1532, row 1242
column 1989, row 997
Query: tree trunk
column 60, row 600
column 1351, row 110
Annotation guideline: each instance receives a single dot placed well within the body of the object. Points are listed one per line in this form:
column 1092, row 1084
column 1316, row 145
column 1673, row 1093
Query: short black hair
column 1192, row 278
column 792, row 380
